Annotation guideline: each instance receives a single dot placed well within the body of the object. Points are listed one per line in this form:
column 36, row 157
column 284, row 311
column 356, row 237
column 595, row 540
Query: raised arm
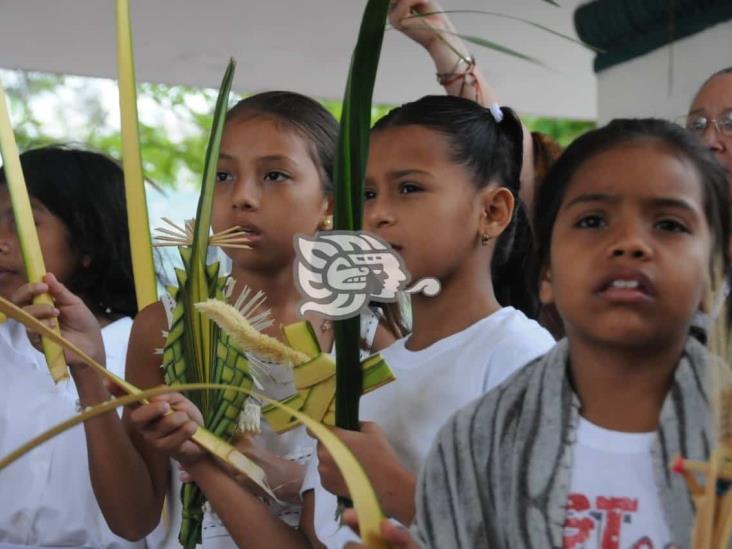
column 455, row 67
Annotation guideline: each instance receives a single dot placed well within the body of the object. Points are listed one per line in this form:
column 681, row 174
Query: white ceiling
column 302, row 45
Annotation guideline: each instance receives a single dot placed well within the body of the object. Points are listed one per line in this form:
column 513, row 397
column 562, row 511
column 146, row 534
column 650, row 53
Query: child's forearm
column 450, row 56
column 120, row 476
column 397, row 498
column 247, row 519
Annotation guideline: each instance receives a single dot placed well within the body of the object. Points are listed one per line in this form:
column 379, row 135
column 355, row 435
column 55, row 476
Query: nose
column 632, row 243
column 378, row 213
column 246, row 195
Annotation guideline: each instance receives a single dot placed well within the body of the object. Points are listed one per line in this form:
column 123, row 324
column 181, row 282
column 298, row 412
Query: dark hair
column 85, row 190
column 492, row 152
column 622, row 132
column 306, row 116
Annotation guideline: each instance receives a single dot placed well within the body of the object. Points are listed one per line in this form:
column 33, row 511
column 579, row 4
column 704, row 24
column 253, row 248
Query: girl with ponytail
column 442, row 184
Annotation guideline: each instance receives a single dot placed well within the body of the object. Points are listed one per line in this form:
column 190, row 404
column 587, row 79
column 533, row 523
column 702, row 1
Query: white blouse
column 46, row 497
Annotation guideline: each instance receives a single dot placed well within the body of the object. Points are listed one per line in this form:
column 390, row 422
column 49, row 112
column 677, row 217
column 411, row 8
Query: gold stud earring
column 327, row 223
column 485, row 239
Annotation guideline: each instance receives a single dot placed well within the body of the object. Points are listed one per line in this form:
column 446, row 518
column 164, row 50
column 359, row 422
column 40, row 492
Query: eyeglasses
column 697, row 123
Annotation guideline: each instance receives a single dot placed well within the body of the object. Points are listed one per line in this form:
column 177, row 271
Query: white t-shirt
column 432, row 384
column 46, row 496
column 613, row 501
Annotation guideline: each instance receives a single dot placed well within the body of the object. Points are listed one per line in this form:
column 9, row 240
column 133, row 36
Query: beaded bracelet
column 467, row 76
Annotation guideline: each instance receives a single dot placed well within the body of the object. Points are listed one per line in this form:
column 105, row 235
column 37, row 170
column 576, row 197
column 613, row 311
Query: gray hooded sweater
column 499, row 471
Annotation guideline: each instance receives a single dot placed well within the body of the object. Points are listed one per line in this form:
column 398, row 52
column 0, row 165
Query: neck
column 464, row 299
column 278, row 286
column 622, row 388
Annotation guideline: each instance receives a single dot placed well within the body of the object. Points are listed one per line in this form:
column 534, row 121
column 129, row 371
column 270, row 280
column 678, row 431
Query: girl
column 273, row 181
column 78, row 206
column 450, row 210
column 573, row 450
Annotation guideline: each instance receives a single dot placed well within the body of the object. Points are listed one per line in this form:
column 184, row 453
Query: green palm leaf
column 505, row 16
column 350, row 169
column 196, row 351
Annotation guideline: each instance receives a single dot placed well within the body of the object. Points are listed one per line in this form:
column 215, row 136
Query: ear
column 546, row 289
column 496, row 204
column 326, row 211
column 328, row 204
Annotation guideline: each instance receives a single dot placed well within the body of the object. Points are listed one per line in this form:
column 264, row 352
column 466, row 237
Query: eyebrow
column 268, row 158
column 403, row 173
column 666, row 202
column 592, row 197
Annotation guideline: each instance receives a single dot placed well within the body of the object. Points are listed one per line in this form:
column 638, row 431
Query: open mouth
column 627, row 287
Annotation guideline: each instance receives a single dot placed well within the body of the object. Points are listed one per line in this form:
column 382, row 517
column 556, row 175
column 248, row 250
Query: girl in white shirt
column 78, row 206
column 441, row 186
column 273, row 180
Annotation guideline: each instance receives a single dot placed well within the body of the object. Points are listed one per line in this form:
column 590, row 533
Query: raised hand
column 76, row 322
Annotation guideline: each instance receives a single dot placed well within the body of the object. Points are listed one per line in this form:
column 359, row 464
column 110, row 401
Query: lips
column 7, row 273
column 626, row 286
column 250, row 232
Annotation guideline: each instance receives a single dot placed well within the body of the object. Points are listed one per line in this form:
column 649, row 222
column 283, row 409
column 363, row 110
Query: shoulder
column 514, row 341
column 500, row 408
column 146, row 338
column 516, row 325
column 150, row 322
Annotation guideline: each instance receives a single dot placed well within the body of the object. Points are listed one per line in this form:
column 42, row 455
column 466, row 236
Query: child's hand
column 167, row 423
column 395, row 536
column 77, row 323
column 401, row 17
column 394, row 485
column 283, row 475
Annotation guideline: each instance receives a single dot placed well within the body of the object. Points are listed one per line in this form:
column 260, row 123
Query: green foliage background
column 168, row 159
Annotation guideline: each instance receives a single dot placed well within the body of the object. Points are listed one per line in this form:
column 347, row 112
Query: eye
column 672, row 226
column 224, row 177
column 275, row 176
column 697, row 124
column 725, row 123
column 592, row 221
column 368, row 194
column 408, row 188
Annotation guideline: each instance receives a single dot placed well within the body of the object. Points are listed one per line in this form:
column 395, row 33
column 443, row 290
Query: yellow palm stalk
column 137, row 217
column 26, row 229
column 364, row 497
column 713, row 498
column 207, row 440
